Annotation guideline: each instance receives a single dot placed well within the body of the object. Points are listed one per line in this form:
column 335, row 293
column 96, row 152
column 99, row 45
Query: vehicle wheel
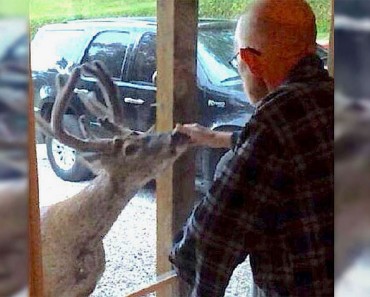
column 66, row 161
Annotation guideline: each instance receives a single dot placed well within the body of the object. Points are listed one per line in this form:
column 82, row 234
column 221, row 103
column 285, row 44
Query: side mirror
column 154, row 78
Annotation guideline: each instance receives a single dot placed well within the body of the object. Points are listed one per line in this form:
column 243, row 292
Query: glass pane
column 217, row 48
column 145, row 61
column 109, row 47
column 49, row 51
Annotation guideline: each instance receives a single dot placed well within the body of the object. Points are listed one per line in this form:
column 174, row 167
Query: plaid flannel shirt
column 273, row 200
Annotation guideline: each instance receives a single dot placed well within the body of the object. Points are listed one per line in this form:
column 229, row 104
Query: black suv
column 128, row 47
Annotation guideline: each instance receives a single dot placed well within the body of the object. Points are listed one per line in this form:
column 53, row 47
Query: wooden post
column 35, row 259
column 331, row 42
column 162, row 281
column 177, row 100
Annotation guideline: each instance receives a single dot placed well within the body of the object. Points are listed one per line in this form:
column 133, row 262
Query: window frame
column 86, row 51
column 129, row 77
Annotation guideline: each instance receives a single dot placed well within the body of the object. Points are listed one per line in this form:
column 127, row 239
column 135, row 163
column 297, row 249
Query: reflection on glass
column 216, row 48
column 145, row 60
column 109, row 47
column 49, row 50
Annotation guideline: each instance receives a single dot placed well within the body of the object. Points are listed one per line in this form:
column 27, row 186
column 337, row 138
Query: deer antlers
column 110, row 115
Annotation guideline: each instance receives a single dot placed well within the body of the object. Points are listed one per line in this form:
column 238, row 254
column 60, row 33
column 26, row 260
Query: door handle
column 134, row 101
column 219, row 104
column 80, row 91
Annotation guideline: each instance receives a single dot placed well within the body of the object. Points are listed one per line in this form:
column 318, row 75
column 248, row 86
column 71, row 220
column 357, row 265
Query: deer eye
column 131, row 149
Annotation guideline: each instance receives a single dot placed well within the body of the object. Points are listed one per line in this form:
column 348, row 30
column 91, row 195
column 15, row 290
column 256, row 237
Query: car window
column 145, row 59
column 56, row 49
column 216, row 48
column 110, row 48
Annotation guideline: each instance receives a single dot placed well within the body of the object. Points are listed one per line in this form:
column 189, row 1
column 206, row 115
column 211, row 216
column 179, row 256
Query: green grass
column 233, row 8
column 45, row 11
column 14, row 8
column 51, row 11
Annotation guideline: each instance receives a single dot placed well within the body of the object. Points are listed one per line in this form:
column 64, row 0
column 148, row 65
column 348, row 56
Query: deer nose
column 178, row 138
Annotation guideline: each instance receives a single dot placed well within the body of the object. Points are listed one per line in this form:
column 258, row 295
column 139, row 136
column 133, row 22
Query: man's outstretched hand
column 202, row 136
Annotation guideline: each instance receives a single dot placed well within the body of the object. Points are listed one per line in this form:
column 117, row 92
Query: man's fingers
column 187, row 128
column 180, row 128
column 198, row 134
column 192, row 126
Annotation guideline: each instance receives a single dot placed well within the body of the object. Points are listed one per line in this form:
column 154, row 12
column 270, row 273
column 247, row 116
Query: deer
column 124, row 161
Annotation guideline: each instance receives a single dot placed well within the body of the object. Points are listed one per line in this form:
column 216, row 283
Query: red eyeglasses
column 234, row 60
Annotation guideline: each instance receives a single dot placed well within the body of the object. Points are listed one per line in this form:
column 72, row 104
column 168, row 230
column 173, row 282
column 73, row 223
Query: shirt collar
column 308, row 68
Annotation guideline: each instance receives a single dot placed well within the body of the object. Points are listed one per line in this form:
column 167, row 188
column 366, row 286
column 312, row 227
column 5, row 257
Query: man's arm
column 210, row 247
column 203, row 136
column 228, row 223
column 214, row 240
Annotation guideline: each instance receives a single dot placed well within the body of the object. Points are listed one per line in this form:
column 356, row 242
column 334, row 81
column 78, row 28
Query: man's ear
column 252, row 61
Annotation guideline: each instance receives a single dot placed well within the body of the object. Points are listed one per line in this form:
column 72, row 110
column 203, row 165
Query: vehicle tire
column 65, row 161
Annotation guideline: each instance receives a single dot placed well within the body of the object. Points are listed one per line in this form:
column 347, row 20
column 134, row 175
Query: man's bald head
column 283, row 28
column 281, row 32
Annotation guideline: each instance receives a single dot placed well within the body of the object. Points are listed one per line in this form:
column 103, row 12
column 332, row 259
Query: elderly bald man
column 273, row 200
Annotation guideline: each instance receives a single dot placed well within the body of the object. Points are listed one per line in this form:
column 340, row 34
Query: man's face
column 254, row 87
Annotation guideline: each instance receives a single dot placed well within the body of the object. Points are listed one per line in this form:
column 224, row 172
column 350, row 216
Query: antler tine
column 103, row 114
column 113, row 93
column 108, row 88
column 94, row 106
column 115, row 129
column 84, row 128
column 150, row 130
column 44, row 126
column 61, row 103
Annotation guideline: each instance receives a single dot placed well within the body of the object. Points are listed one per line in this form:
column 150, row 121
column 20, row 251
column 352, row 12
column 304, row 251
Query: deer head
column 121, row 152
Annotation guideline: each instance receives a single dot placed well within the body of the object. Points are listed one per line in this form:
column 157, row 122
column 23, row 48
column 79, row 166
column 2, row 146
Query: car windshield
column 56, row 49
column 216, row 47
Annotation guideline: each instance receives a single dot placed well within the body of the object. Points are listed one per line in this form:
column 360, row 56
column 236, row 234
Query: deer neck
column 101, row 202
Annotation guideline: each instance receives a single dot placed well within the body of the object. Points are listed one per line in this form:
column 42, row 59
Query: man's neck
column 280, row 72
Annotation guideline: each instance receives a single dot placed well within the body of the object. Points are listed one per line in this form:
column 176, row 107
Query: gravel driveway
column 131, row 243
